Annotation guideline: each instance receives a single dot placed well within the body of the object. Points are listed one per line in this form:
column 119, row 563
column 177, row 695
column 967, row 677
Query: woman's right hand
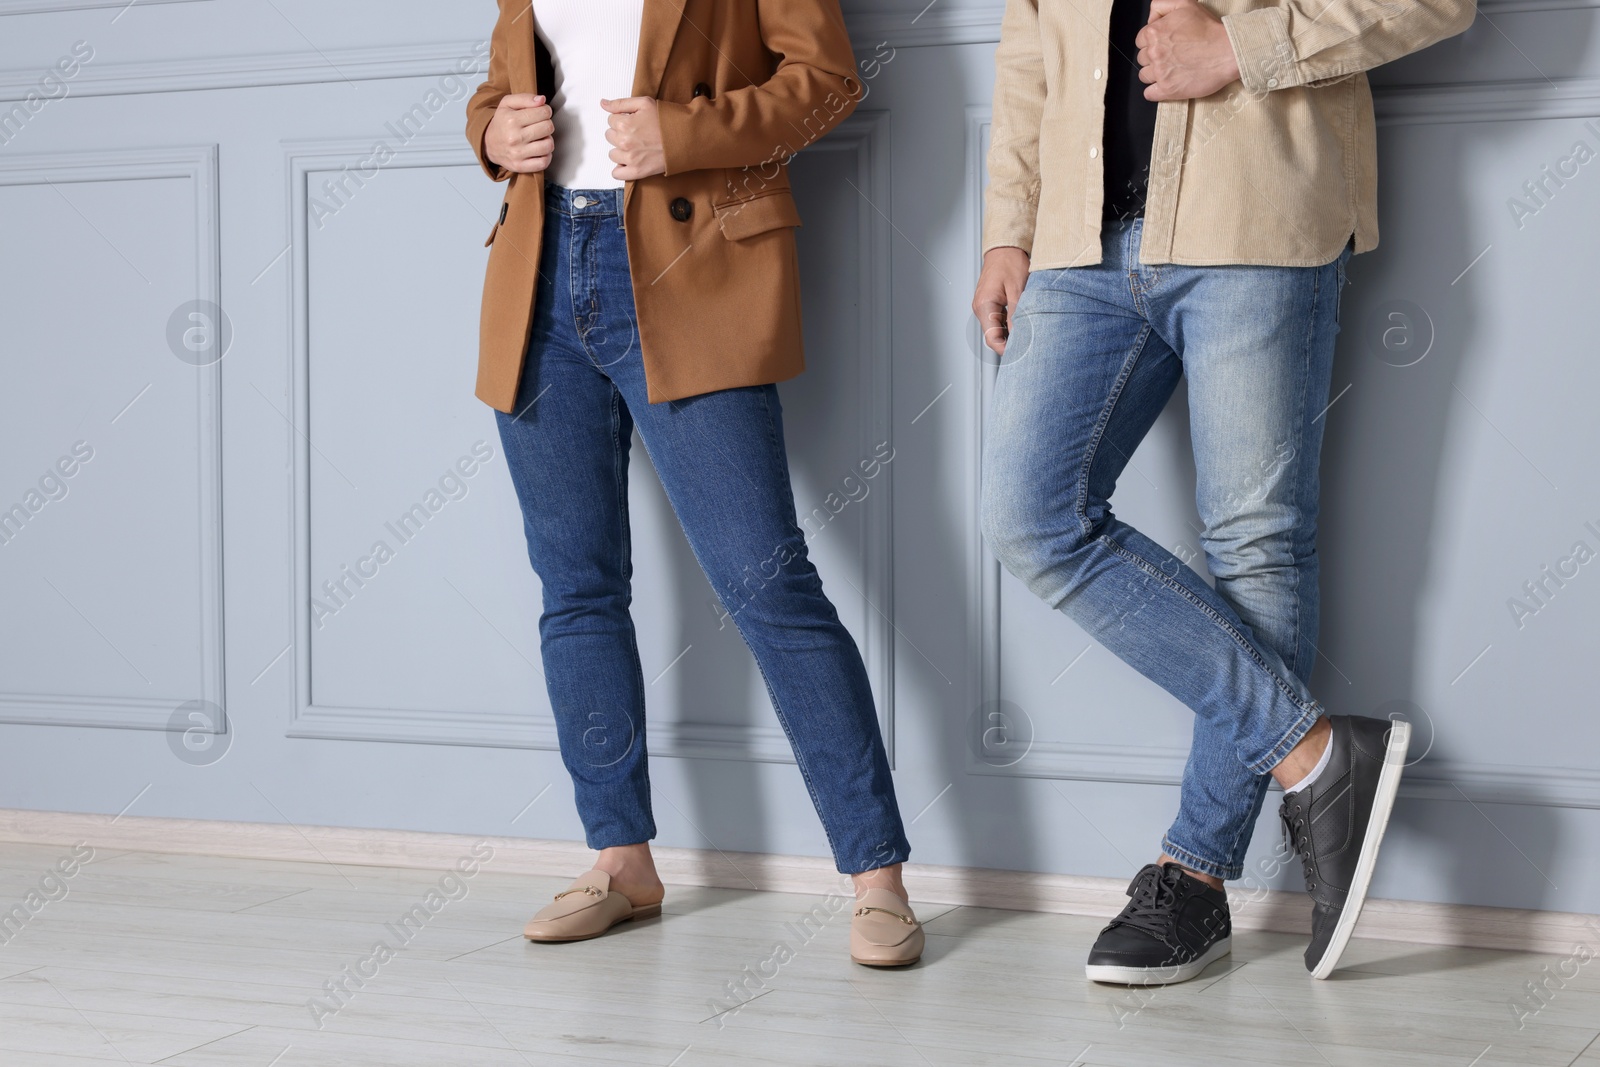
column 521, row 136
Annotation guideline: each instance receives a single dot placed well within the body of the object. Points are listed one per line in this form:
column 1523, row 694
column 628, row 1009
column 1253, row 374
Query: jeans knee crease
column 1210, row 613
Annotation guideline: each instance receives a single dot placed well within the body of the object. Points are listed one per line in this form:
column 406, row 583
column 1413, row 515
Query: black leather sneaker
column 1172, row 928
column 1336, row 825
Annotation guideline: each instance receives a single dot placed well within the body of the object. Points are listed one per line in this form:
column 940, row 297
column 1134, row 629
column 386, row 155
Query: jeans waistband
column 1119, row 242
column 587, row 202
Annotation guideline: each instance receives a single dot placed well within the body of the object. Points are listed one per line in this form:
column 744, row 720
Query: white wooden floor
column 194, row 961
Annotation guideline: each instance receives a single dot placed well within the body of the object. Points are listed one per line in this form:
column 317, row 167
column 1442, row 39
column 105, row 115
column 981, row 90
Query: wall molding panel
column 872, row 23
column 52, row 7
column 198, row 165
column 1486, row 102
column 197, row 73
column 864, row 138
column 1528, row 7
column 918, row 23
column 304, row 160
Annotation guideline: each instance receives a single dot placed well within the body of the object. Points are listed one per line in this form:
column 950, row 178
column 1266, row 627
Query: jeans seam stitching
column 1244, row 828
column 1284, row 745
column 1222, row 623
column 1092, row 451
column 573, row 276
column 625, row 570
column 1300, row 441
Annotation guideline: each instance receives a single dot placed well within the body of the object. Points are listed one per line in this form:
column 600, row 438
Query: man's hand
column 521, row 136
column 635, row 137
column 1000, row 285
column 1184, row 52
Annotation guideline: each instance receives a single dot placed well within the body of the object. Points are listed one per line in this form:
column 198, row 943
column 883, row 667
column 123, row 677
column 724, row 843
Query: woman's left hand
column 635, row 137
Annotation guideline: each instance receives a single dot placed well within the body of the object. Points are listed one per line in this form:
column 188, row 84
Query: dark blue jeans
column 721, row 460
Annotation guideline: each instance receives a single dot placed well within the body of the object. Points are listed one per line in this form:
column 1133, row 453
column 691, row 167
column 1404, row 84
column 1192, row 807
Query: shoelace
column 1297, row 830
column 1152, row 908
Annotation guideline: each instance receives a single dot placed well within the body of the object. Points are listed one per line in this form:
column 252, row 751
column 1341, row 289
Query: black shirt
column 1130, row 128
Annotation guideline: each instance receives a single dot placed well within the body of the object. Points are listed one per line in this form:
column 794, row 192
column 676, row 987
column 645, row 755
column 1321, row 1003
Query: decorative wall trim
column 1528, row 7
column 897, row 23
column 197, row 164
column 43, row 7
column 983, row 569
column 1486, row 102
column 1483, row 783
column 1416, row 922
column 194, row 73
column 304, row 159
column 1163, row 764
column 913, row 23
column 865, row 135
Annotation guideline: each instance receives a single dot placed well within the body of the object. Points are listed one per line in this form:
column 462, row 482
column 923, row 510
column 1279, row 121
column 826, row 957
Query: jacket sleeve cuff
column 677, row 137
column 1009, row 224
column 1263, row 50
column 477, row 126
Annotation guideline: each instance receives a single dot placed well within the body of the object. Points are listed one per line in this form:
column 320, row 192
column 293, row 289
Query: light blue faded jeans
column 1094, row 355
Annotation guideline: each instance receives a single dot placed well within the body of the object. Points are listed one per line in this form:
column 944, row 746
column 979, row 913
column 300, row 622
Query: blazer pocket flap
column 747, row 218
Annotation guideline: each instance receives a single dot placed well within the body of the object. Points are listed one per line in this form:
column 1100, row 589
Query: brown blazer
column 743, row 85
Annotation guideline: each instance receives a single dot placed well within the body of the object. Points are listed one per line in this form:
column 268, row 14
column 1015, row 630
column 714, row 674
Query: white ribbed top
column 594, row 45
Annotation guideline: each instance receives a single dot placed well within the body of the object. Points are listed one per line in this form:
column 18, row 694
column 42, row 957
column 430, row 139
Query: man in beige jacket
column 1175, row 189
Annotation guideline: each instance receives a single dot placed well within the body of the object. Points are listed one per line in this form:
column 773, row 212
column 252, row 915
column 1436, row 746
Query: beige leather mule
column 587, row 908
column 884, row 931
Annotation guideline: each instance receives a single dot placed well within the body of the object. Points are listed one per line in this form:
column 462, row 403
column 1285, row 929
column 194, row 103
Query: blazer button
column 702, row 90
column 681, row 209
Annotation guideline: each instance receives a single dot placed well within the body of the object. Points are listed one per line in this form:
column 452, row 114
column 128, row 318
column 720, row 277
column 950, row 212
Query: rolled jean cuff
column 1228, row 872
column 619, row 836
column 1310, row 713
column 886, row 855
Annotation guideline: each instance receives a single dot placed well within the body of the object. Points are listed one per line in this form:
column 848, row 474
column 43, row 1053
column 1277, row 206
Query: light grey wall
column 179, row 561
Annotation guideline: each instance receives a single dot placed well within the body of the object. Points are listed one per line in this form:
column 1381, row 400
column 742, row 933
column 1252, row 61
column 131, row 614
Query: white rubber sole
column 1394, row 762
column 1158, row 975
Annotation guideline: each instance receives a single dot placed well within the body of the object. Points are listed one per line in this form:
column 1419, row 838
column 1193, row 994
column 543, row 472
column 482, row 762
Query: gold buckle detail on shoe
column 903, row 918
column 593, row 891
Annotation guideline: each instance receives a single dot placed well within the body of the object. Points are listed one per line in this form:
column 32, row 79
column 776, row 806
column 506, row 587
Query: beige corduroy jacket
column 1278, row 168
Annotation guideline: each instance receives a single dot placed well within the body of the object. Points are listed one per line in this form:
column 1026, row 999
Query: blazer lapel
column 521, row 68
column 656, row 34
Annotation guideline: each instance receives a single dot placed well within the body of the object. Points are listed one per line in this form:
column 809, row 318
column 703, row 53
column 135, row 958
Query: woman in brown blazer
column 643, row 276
